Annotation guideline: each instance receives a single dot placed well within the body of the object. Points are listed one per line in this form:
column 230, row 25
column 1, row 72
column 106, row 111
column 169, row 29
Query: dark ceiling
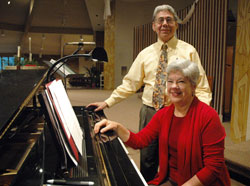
column 49, row 24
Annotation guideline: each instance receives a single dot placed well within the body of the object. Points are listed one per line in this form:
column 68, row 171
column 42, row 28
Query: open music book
column 66, row 125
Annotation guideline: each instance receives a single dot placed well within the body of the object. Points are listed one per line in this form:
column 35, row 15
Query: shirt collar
column 171, row 43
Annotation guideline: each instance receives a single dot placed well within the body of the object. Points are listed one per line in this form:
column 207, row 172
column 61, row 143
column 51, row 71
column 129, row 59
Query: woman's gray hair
column 188, row 68
column 165, row 8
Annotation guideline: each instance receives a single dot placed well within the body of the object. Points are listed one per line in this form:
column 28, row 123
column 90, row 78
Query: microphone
column 80, row 43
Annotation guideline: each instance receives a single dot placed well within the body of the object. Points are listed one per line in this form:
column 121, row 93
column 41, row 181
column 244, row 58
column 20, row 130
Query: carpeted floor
column 127, row 113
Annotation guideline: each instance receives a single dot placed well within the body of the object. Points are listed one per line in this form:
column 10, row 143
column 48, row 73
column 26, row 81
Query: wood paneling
column 240, row 117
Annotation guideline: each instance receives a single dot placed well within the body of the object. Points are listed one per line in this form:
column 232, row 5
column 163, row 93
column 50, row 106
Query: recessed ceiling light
column 8, row 2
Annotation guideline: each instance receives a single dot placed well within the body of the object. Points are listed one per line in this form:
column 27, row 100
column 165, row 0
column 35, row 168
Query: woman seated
column 191, row 136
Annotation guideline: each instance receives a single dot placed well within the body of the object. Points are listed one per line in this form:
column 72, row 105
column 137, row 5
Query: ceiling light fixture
column 63, row 21
column 2, row 33
column 81, row 38
column 8, row 2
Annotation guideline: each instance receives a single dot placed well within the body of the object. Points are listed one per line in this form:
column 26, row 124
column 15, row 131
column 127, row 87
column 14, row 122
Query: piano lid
column 15, row 87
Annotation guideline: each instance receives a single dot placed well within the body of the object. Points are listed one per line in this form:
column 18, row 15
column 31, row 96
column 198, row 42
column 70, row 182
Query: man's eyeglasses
column 169, row 20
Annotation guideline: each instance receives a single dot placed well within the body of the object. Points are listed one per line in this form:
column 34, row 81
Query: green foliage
column 94, row 74
column 25, row 62
column 92, row 71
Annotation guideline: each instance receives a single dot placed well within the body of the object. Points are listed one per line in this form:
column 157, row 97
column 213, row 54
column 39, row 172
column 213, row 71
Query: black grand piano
column 30, row 153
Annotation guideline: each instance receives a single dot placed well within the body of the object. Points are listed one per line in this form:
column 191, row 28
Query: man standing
column 148, row 69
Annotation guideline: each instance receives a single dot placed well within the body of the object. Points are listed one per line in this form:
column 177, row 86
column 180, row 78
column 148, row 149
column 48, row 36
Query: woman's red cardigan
column 199, row 146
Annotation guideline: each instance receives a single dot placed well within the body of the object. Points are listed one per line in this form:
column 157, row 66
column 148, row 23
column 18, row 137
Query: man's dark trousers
column 149, row 159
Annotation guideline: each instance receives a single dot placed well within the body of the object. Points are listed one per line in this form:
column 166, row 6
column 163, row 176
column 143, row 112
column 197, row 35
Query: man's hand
column 98, row 105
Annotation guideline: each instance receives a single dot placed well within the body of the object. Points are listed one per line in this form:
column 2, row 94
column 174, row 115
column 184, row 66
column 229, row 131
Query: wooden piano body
column 29, row 152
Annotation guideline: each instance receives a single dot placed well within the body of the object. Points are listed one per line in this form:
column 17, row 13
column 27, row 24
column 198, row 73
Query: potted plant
column 94, row 74
column 25, row 62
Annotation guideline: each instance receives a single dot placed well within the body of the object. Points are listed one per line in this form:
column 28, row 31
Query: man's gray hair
column 165, row 8
column 188, row 68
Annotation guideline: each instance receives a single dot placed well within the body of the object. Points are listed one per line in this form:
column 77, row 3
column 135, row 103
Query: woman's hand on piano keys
column 107, row 125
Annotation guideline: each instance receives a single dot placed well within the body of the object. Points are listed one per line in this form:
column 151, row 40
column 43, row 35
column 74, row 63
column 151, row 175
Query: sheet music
column 66, row 113
column 61, row 136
